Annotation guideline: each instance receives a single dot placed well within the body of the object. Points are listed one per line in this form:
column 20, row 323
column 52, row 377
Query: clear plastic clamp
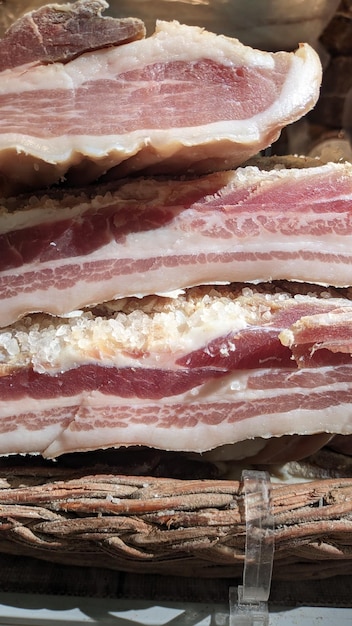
column 249, row 601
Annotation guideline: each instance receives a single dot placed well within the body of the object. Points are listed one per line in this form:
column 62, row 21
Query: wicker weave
column 169, row 526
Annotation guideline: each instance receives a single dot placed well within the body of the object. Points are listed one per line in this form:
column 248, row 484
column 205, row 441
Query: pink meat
column 214, row 373
column 310, row 336
column 56, row 32
column 181, row 99
column 153, row 236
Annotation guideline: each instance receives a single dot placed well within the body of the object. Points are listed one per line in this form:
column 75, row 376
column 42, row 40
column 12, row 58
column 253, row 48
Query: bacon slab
column 146, row 236
column 181, row 99
column 204, row 370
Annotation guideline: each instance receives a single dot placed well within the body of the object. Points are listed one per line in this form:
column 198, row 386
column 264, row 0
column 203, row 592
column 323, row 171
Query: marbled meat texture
column 147, row 236
column 181, row 99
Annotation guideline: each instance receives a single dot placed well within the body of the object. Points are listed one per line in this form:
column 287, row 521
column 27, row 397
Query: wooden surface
column 96, row 516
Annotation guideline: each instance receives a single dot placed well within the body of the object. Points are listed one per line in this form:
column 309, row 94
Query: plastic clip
column 249, row 602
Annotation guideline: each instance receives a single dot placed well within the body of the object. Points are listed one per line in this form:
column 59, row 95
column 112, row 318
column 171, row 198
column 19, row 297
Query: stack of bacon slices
column 187, row 300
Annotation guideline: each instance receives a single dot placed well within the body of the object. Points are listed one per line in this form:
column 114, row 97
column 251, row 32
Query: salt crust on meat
column 118, row 332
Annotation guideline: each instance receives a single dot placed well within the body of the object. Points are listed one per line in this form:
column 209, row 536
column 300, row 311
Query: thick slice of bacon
column 204, row 370
column 181, row 99
column 146, row 236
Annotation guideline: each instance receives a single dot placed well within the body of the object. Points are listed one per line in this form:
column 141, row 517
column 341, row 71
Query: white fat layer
column 23, row 440
column 150, row 144
column 165, row 243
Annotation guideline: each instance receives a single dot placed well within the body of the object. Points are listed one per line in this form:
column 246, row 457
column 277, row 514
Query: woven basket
column 151, row 524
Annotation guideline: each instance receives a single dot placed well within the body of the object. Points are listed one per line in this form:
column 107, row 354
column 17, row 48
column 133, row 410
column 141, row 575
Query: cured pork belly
column 145, row 236
column 182, row 99
column 213, row 367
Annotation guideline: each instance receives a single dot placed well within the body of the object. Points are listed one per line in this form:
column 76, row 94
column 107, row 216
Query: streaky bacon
column 144, row 236
column 204, row 370
column 132, row 107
